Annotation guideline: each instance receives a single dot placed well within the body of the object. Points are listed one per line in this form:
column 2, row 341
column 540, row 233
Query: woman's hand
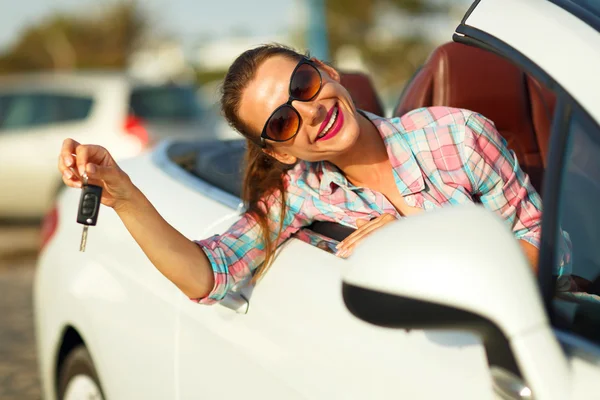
column 100, row 167
column 365, row 228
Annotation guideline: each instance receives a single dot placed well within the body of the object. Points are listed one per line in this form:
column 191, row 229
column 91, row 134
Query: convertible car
column 471, row 322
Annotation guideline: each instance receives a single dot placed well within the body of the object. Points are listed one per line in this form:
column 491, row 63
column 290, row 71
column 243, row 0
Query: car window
column 579, row 216
column 168, row 103
column 26, row 110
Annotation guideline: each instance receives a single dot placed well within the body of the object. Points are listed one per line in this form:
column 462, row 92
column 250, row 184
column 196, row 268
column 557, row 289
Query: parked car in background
column 39, row 110
column 454, row 315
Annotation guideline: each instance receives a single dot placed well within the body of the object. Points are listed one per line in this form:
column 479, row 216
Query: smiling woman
column 313, row 156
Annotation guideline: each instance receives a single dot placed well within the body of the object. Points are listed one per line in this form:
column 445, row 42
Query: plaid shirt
column 440, row 156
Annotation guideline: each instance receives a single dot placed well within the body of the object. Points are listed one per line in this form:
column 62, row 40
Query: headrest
column 362, row 91
column 461, row 76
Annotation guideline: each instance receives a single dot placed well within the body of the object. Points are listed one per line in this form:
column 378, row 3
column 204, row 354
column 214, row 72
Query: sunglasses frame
column 263, row 135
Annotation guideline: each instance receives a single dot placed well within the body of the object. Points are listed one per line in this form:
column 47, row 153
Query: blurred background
column 195, row 41
column 126, row 74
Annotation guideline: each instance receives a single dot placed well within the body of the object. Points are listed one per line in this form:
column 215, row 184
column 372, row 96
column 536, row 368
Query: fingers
column 89, row 153
column 75, row 159
column 346, row 247
column 110, row 174
column 66, row 163
column 70, row 181
column 65, row 158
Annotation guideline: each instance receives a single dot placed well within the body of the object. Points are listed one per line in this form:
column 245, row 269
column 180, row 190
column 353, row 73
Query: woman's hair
column 263, row 174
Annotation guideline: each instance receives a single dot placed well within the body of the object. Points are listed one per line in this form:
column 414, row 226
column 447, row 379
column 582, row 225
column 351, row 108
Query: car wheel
column 77, row 379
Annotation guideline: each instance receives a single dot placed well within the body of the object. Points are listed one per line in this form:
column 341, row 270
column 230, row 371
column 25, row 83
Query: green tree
column 367, row 25
column 66, row 41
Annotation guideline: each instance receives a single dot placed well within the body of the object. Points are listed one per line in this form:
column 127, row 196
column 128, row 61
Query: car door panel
column 126, row 310
column 299, row 341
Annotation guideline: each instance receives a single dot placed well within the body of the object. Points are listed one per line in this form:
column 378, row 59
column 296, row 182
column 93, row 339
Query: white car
column 38, row 110
column 447, row 316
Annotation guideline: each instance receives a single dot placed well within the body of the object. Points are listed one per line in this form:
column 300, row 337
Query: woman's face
column 270, row 88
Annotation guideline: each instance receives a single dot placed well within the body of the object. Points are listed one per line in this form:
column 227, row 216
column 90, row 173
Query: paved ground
column 18, row 366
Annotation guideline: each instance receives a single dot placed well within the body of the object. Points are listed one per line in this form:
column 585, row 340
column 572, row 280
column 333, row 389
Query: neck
column 367, row 159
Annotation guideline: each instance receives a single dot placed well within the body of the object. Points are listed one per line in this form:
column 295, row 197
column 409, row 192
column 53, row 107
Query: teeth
column 331, row 122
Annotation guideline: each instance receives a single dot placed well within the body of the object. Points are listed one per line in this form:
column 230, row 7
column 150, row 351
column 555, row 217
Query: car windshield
column 168, row 103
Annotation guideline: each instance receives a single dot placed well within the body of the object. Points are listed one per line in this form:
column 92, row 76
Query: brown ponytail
column 263, row 175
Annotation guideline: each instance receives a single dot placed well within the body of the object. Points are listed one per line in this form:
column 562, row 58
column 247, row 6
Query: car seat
column 362, row 91
column 462, row 76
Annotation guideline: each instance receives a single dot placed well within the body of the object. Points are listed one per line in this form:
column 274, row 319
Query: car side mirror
column 459, row 268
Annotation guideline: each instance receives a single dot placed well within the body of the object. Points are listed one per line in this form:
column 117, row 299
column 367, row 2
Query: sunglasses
column 284, row 122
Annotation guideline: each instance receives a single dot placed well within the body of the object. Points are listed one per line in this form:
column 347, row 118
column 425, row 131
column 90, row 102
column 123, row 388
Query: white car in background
column 39, row 110
column 453, row 310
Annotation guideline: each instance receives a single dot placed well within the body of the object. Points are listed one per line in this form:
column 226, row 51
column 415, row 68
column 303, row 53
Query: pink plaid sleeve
column 499, row 181
column 236, row 253
column 505, row 188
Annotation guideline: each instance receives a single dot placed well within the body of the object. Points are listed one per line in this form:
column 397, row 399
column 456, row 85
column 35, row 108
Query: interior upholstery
column 543, row 102
column 462, row 76
column 363, row 92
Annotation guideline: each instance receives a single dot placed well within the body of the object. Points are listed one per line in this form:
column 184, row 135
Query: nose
column 312, row 113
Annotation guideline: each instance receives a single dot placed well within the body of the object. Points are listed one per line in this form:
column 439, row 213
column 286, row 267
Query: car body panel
column 97, row 293
column 298, row 337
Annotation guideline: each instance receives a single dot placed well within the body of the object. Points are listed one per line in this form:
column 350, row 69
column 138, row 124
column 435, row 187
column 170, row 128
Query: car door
column 571, row 190
column 33, row 124
column 298, row 341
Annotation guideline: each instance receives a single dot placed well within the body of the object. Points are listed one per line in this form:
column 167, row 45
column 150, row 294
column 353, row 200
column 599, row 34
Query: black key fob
column 89, row 205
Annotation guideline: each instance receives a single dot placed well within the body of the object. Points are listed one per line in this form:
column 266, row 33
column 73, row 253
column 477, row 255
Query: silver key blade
column 83, row 238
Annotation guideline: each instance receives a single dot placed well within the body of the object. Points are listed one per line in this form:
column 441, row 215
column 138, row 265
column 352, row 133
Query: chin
column 337, row 146
column 347, row 138
column 348, row 135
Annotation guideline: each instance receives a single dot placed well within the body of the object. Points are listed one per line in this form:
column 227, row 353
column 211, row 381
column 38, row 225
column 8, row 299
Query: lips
column 327, row 118
column 332, row 124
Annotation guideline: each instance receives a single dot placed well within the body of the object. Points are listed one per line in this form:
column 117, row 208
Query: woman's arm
column 532, row 253
column 179, row 259
column 501, row 185
column 176, row 257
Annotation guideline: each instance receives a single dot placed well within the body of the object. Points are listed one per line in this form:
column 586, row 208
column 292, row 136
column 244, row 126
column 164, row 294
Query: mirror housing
column 459, row 268
column 463, row 258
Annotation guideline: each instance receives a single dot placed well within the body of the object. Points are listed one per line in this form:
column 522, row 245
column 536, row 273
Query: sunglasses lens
column 283, row 124
column 305, row 83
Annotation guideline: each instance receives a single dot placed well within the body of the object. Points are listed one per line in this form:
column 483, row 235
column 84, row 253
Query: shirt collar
column 408, row 174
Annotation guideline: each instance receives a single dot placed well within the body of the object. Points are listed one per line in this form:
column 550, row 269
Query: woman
column 313, row 156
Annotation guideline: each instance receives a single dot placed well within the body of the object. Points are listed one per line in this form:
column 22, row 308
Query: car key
column 89, row 206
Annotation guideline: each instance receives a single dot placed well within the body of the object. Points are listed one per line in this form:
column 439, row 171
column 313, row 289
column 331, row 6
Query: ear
column 282, row 157
column 332, row 72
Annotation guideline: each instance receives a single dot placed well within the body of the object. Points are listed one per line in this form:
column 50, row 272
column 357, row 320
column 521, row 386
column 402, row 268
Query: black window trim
column 565, row 107
column 469, row 12
column 580, row 12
